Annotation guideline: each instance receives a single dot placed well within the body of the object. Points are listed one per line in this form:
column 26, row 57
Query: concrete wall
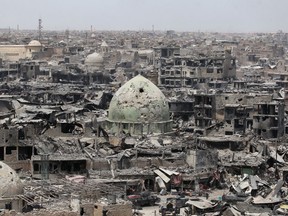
column 243, row 99
column 269, row 120
column 140, row 128
column 16, row 203
column 155, row 161
column 13, row 161
column 141, row 162
column 88, row 209
column 100, row 164
column 8, row 137
column 16, row 52
column 13, row 52
column 199, row 159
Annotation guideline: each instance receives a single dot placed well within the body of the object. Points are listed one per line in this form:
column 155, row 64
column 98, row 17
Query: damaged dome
column 10, row 183
column 94, row 59
column 139, row 100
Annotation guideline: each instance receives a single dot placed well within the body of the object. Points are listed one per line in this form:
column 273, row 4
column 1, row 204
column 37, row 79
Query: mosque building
column 16, row 52
column 139, row 107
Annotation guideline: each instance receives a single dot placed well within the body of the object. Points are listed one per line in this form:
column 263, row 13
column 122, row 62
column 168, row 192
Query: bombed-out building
column 188, row 71
column 269, row 120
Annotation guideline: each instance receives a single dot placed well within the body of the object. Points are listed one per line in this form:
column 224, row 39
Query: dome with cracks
column 139, row 101
column 10, row 183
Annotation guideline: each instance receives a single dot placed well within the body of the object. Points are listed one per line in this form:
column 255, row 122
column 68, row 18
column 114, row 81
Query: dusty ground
column 217, row 194
column 154, row 210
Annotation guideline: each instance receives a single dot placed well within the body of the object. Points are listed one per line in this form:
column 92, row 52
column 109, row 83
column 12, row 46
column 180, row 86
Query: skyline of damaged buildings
column 90, row 120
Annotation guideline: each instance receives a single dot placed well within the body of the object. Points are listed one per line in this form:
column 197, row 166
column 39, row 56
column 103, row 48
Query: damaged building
column 139, row 107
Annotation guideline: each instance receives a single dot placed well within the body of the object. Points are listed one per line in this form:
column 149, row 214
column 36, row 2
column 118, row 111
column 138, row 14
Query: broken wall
column 13, row 203
column 140, row 162
column 200, row 159
column 268, row 122
column 243, row 99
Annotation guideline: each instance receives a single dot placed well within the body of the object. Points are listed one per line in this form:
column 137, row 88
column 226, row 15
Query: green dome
column 139, row 100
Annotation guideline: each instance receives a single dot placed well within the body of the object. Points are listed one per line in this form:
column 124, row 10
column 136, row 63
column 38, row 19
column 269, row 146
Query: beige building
column 17, row 52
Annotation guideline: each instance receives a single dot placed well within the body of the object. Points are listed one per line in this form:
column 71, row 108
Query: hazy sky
column 179, row 15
